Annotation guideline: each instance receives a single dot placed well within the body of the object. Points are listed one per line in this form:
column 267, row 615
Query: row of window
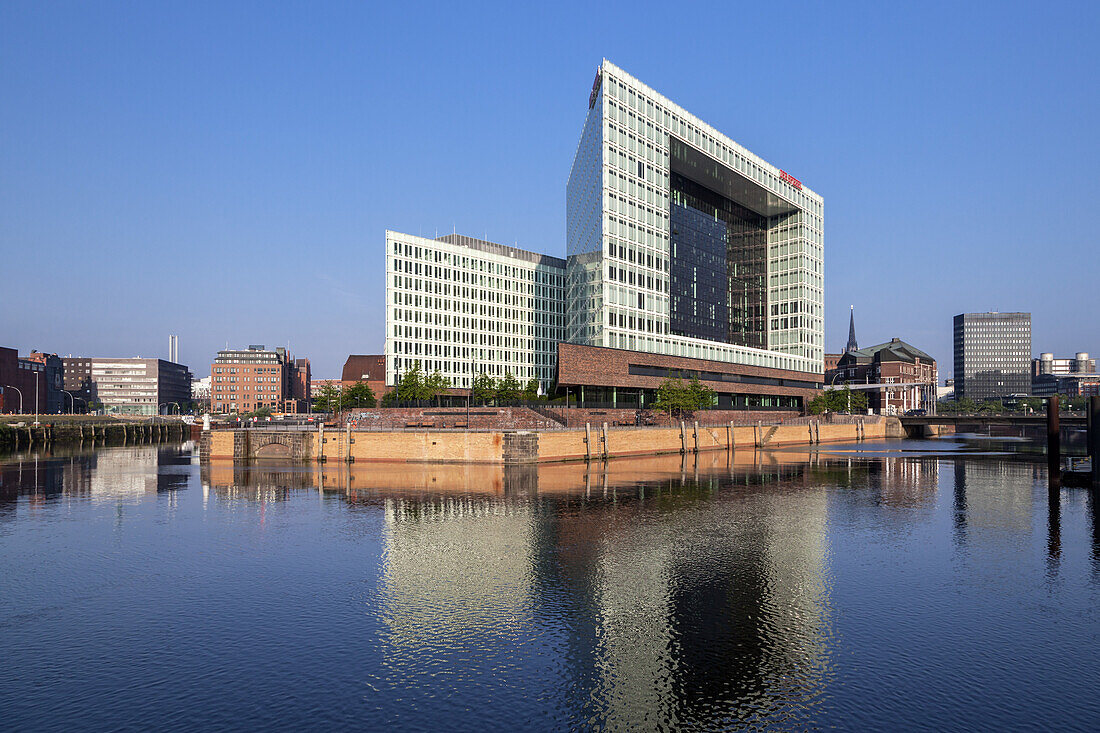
column 457, row 264
column 651, row 118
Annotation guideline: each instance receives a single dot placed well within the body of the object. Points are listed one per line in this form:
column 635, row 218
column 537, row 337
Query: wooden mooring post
column 1094, row 440
column 1054, row 443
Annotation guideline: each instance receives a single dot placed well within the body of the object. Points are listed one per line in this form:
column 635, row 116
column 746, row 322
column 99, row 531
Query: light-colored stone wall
column 436, row 447
column 556, row 445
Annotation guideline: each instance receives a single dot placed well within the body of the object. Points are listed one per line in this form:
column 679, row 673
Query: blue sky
column 225, row 171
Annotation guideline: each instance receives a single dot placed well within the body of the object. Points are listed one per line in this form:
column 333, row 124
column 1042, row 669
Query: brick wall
column 480, row 418
column 577, row 417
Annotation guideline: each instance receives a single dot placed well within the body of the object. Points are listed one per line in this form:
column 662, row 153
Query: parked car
column 917, row 412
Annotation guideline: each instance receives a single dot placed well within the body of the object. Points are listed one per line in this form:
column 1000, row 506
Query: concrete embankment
column 514, row 447
column 16, row 436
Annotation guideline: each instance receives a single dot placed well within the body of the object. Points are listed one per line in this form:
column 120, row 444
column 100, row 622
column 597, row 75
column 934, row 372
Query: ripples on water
column 787, row 590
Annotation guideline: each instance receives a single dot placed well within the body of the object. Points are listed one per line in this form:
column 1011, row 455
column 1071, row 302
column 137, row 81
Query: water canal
column 903, row 585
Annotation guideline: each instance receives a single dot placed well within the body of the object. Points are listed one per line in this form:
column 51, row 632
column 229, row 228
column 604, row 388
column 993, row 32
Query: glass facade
column 753, row 294
column 718, row 267
column 678, row 242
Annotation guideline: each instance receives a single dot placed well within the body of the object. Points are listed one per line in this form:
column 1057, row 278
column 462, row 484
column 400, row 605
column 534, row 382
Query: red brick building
column 875, row 369
column 19, row 385
column 56, row 401
column 245, row 380
column 597, row 376
column 369, row 368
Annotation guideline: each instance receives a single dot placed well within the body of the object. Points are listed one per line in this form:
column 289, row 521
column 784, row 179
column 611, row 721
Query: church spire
column 852, row 345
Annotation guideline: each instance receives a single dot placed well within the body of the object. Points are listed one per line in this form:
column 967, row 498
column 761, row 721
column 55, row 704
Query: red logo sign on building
column 785, row 176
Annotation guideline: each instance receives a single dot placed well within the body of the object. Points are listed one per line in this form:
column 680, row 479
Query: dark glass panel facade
column 718, row 267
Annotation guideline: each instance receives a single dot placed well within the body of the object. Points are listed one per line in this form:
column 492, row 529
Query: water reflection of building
column 127, row 473
column 133, row 472
column 907, row 481
column 995, row 494
column 31, row 475
column 256, row 481
column 701, row 586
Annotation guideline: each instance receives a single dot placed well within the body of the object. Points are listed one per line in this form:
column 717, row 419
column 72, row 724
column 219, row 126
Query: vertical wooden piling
column 1054, row 443
column 588, row 441
column 1094, row 439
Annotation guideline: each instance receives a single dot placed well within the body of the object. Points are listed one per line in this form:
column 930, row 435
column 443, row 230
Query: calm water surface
column 881, row 586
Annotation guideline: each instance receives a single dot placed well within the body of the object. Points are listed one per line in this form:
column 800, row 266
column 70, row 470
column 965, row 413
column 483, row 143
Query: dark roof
column 359, row 364
column 892, row 350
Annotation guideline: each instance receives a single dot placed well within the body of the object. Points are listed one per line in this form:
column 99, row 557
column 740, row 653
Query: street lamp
column 72, row 401
column 20, row 397
column 832, row 383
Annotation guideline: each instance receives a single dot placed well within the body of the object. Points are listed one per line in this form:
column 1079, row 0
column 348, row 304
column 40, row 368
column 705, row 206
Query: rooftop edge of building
column 502, row 250
column 606, row 64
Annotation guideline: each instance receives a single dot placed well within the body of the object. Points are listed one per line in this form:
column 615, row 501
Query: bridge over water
column 1039, row 421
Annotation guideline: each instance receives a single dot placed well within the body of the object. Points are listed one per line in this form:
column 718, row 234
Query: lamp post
column 20, row 397
column 72, row 401
column 832, row 383
column 35, row 398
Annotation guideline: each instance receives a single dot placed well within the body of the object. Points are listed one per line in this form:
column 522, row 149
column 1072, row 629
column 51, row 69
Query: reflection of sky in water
column 786, row 589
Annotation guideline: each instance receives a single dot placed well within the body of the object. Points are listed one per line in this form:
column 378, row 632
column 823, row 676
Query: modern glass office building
column 681, row 242
column 686, row 255
column 992, row 355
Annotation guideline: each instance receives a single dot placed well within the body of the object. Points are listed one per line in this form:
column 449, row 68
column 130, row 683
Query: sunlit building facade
column 682, row 242
column 686, row 256
column 465, row 306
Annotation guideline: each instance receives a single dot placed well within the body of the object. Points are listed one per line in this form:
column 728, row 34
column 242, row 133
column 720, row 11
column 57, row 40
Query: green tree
column 411, row 387
column 699, row 396
column 435, row 385
column 485, row 388
column 508, row 388
column 358, row 395
column 327, row 399
column 671, row 397
column 531, row 390
column 839, row 400
column 966, row 406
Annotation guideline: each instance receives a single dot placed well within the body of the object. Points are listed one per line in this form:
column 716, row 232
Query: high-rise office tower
column 708, row 250
column 992, row 355
column 686, row 256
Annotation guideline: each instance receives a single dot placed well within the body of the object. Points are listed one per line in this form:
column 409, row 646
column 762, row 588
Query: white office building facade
column 464, row 307
column 681, row 242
